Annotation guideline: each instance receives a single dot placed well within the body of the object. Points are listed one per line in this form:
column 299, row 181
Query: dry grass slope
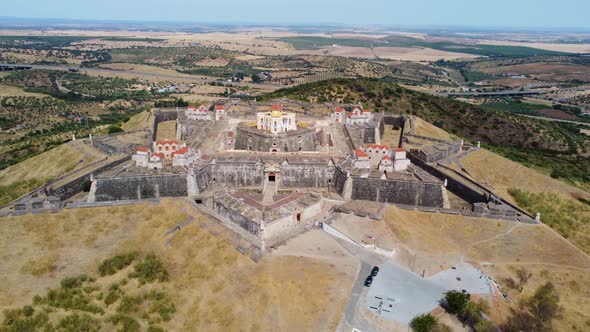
column 501, row 246
column 213, row 286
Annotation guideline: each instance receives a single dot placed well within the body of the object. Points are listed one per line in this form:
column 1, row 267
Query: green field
column 310, row 43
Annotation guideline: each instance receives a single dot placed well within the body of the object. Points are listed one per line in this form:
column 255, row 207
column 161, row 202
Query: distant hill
column 555, row 148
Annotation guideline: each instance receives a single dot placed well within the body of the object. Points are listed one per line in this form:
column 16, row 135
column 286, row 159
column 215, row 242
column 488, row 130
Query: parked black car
column 374, row 271
column 368, row 281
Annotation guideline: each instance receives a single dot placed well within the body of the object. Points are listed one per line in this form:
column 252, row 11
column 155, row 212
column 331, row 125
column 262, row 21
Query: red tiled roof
column 399, row 150
column 360, row 153
column 386, row 158
column 339, row 110
column 143, row 149
column 183, row 150
column 155, row 154
column 166, row 142
column 276, row 107
column 192, row 107
column 219, row 107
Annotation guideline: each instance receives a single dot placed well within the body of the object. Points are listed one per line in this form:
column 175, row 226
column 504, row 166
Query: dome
column 276, row 114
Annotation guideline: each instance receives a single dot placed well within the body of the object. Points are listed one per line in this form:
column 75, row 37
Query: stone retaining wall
column 140, row 187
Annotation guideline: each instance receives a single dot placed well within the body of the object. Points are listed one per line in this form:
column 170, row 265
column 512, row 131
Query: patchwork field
column 213, row 287
column 429, row 240
column 545, row 71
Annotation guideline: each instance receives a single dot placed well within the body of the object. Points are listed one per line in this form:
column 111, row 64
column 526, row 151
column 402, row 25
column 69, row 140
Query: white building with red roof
column 356, row 116
column 360, row 159
column 400, row 160
column 184, row 157
column 359, row 116
column 200, row 113
column 386, row 164
column 339, row 115
column 219, row 112
column 377, row 152
column 141, row 157
column 167, row 147
column 156, row 160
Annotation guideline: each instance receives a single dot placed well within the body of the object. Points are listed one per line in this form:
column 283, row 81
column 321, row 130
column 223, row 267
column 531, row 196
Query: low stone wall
column 203, row 177
column 140, row 187
column 77, row 185
column 339, row 180
column 397, row 191
column 236, row 218
column 307, row 176
column 467, row 193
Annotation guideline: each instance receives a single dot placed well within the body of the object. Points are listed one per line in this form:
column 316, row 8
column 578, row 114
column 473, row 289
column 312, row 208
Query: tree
column 456, row 301
column 537, row 313
column 424, row 323
column 523, row 278
column 255, row 78
column 544, row 304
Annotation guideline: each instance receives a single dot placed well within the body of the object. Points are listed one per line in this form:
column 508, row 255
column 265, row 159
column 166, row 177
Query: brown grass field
column 424, row 128
column 213, row 286
column 13, row 91
column 166, row 131
column 53, row 163
column 139, row 121
column 491, row 169
column 430, row 240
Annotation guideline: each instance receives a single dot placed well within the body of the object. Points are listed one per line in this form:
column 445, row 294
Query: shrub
column 75, row 323
column 129, row 304
column 161, row 304
column 424, row 323
column 115, row 129
column 150, row 269
column 455, row 301
column 112, row 265
column 28, row 310
column 128, row 324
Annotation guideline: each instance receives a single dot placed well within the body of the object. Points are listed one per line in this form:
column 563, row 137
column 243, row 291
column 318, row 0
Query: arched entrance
column 272, row 177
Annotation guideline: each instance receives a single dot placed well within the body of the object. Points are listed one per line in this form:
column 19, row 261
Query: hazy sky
column 496, row 13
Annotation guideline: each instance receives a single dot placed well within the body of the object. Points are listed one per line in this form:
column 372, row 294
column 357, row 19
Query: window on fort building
column 167, row 148
column 160, row 148
column 173, row 147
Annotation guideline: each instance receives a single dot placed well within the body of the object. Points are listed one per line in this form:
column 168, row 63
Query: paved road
column 350, row 318
column 555, row 120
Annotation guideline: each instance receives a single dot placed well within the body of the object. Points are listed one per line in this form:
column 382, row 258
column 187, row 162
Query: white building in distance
column 276, row 121
column 201, row 113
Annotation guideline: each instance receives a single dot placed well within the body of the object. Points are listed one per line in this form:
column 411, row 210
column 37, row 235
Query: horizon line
column 290, row 24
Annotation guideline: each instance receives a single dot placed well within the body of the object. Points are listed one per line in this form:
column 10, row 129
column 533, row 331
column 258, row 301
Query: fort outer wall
column 139, row 187
column 455, row 186
column 306, row 176
column 398, row 191
column 75, row 186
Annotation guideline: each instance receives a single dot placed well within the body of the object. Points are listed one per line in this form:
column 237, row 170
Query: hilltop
column 554, row 148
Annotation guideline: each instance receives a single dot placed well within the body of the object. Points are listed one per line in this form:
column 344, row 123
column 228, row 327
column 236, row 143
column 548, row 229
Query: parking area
column 399, row 294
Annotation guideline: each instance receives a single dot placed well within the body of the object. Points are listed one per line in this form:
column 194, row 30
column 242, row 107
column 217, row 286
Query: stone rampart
column 140, row 187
